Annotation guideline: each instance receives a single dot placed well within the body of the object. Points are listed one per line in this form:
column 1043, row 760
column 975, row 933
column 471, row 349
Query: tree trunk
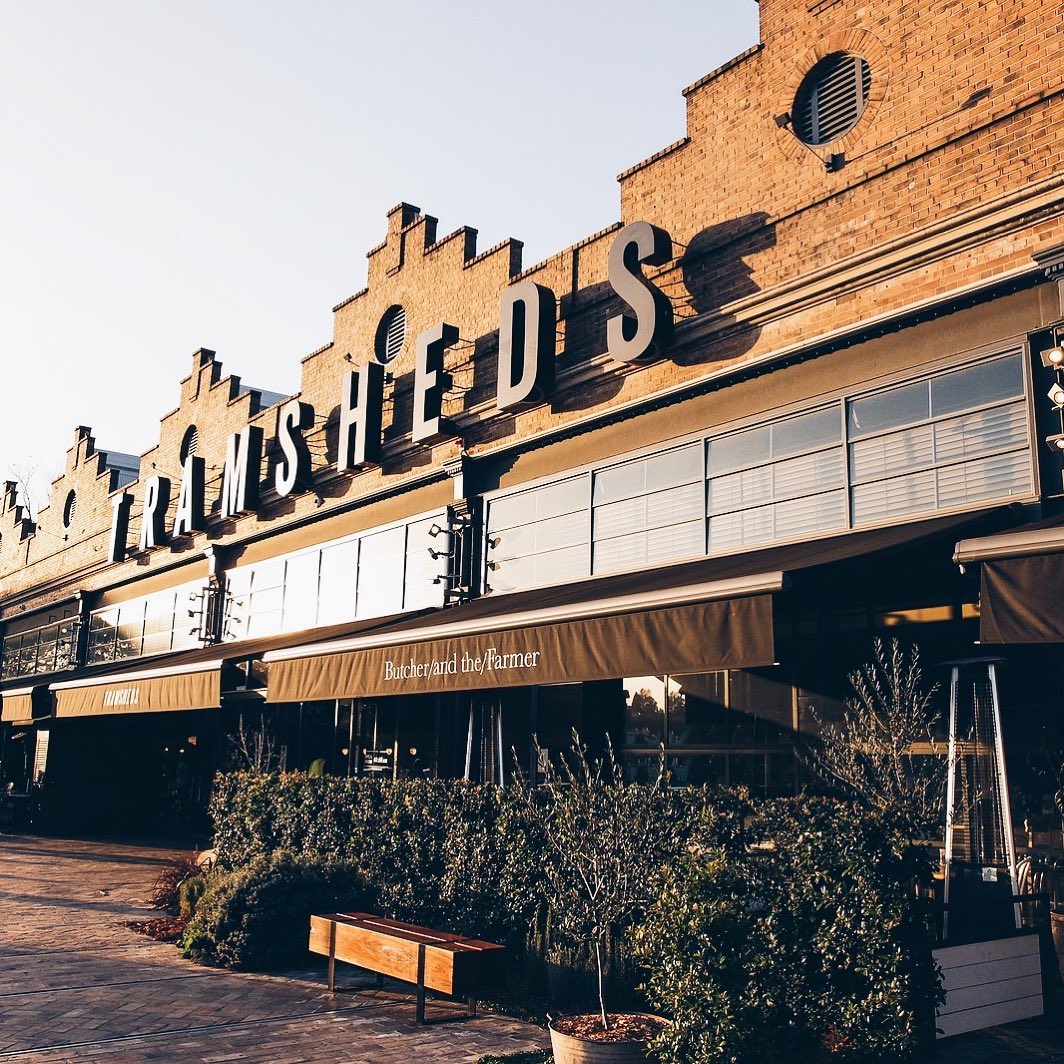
column 601, row 984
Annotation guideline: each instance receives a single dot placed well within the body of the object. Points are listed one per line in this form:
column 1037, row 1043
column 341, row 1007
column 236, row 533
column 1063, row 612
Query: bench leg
column 332, row 958
column 419, row 1014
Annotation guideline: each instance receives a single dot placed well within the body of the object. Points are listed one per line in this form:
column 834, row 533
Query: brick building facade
column 867, row 208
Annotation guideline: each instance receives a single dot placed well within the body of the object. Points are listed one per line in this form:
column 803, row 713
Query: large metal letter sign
column 153, row 520
column 293, row 470
column 528, row 318
column 644, row 335
column 121, row 503
column 361, row 402
column 430, row 382
column 240, row 484
column 189, row 516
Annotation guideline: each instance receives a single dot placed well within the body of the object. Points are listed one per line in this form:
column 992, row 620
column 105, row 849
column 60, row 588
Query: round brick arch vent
column 832, row 98
column 391, row 335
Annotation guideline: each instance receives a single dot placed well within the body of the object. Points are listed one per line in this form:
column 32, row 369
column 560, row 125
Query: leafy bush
column 453, row 855
column 258, row 916
column 809, row 935
column 779, row 927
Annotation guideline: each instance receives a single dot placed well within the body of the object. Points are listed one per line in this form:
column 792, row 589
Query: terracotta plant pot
column 569, row 1049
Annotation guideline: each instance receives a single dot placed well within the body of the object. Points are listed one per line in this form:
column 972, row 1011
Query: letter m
column 243, row 461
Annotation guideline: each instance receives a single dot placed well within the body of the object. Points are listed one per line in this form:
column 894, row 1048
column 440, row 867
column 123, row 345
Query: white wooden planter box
column 988, row 983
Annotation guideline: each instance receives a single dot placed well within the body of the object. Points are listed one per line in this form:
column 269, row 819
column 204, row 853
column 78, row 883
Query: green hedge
column 780, row 925
column 445, row 853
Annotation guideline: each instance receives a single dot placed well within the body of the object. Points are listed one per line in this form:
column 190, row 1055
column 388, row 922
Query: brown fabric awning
column 715, row 613
column 1022, row 600
column 733, row 633
column 144, row 690
column 17, row 706
column 1021, row 583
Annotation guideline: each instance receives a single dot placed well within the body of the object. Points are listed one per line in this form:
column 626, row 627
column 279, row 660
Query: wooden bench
column 434, row 960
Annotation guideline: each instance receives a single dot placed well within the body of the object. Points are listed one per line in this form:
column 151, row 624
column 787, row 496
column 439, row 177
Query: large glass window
column 940, row 444
column 381, row 571
column 153, row 624
column 724, row 728
column 949, row 441
column 777, row 481
column 49, row 648
column 649, row 511
column 539, row 536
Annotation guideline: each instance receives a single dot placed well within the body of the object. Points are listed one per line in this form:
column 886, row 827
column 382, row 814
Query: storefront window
column 645, row 700
column 697, row 709
column 379, row 572
column 762, row 713
column 716, row 728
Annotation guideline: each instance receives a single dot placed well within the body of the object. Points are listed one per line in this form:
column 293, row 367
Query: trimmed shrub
column 809, row 938
column 257, row 917
column 453, row 855
column 780, row 928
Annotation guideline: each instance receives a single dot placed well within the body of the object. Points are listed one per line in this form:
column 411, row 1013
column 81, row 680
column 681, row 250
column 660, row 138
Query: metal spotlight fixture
column 1056, row 442
column 1053, row 357
column 1056, row 393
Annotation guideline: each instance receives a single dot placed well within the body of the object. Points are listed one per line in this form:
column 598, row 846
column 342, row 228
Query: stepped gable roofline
column 731, row 64
column 410, row 230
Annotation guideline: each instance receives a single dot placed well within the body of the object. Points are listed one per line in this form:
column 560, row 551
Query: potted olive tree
column 606, row 844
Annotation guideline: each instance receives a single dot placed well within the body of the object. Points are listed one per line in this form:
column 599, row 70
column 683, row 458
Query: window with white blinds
column 539, row 536
column 945, row 442
column 783, row 480
column 648, row 511
column 378, row 572
column 940, row 444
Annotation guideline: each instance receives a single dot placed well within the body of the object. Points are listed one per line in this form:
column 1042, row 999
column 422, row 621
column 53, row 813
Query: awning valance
column 1021, row 583
column 712, row 614
column 142, row 690
column 17, row 706
column 696, row 637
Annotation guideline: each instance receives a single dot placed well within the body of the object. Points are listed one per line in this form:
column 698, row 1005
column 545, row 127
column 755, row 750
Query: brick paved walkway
column 76, row 984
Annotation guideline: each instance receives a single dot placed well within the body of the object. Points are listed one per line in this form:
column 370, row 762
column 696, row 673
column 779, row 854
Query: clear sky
column 211, row 174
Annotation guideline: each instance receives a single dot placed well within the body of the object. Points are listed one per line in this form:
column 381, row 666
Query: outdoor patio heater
column 980, row 858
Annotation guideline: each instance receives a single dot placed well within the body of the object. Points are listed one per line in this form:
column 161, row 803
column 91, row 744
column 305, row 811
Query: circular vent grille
column 832, row 98
column 70, row 509
column 391, row 334
column 190, row 443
